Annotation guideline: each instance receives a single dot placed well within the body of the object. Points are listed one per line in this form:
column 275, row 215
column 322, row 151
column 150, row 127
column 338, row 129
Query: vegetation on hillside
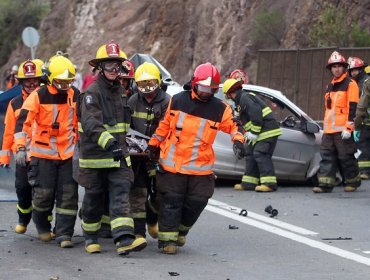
column 15, row 15
column 335, row 28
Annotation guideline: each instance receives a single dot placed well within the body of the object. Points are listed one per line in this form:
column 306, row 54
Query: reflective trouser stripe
column 184, row 228
column 50, row 218
column 93, row 227
column 250, row 179
column 24, row 211
column 363, row 164
column 327, row 180
column 105, row 219
column 120, row 222
column 268, row 179
column 168, row 236
column 64, row 211
column 139, row 215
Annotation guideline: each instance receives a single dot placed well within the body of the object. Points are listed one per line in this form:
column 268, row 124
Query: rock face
column 179, row 34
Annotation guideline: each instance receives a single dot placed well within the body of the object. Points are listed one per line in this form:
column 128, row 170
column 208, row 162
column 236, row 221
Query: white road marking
column 290, row 235
column 256, row 216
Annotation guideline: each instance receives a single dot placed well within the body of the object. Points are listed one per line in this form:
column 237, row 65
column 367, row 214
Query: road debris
column 273, row 212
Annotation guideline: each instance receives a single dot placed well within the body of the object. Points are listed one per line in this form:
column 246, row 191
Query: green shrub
column 15, row 15
column 335, row 28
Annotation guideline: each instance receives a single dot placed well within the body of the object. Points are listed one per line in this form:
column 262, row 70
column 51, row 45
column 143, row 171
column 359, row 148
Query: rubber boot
column 153, row 230
column 264, row 188
column 19, row 228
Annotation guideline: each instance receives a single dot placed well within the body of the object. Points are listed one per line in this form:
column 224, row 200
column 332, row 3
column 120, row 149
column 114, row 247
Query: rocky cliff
column 180, row 34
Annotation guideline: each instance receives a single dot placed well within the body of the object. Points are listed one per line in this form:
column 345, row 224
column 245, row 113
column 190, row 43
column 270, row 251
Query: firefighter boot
column 350, row 189
column 92, row 246
column 168, row 247
column 20, row 228
column 126, row 244
column 181, row 240
column 364, row 176
column 264, row 188
column 46, row 236
column 238, row 187
column 153, row 230
column 322, row 190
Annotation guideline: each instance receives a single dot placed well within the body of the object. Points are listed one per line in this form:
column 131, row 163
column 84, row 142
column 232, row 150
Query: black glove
column 153, row 152
column 239, row 150
column 116, row 151
column 4, row 165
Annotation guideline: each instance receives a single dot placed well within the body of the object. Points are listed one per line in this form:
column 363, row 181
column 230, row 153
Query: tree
column 335, row 28
column 268, row 29
column 15, row 15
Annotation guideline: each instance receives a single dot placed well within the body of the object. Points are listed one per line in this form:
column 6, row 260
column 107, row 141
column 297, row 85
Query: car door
column 295, row 148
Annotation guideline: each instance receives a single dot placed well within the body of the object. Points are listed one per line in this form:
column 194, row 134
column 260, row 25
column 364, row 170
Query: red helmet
column 239, row 75
column 206, row 75
column 130, row 67
column 336, row 58
column 355, row 62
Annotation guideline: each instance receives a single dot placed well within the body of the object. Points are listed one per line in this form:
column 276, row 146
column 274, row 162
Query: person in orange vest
column 29, row 75
column 50, row 113
column 183, row 145
column 338, row 147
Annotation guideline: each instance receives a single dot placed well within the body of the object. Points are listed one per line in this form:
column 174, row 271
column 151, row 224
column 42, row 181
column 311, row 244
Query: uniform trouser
column 259, row 167
column 143, row 185
column 52, row 181
column 117, row 182
column 24, row 194
column 183, row 198
column 338, row 155
column 364, row 145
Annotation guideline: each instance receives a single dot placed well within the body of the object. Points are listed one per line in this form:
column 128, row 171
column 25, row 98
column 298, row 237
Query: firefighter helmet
column 109, row 51
column 336, row 58
column 206, row 75
column 147, row 71
column 29, row 69
column 239, row 75
column 130, row 70
column 231, row 85
column 355, row 62
column 61, row 72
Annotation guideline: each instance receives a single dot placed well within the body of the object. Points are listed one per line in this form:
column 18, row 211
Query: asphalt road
column 314, row 236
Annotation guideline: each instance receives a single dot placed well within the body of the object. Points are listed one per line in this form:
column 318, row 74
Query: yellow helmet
column 61, row 72
column 29, row 69
column 231, row 84
column 39, row 62
column 147, row 71
column 367, row 69
column 109, row 51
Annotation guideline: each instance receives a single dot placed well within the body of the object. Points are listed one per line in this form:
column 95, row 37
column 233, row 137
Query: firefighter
column 126, row 78
column 239, row 75
column 11, row 79
column 148, row 106
column 49, row 112
column 338, row 147
column 262, row 132
column 105, row 166
column 29, row 75
column 183, row 144
column 361, row 134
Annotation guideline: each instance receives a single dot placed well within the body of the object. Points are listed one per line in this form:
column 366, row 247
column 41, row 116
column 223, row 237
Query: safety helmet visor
column 111, row 66
column 62, row 84
column 147, row 86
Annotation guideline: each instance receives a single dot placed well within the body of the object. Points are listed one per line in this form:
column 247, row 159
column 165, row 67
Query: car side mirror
column 311, row 127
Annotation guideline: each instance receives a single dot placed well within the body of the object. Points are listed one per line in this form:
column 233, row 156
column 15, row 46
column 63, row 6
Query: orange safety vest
column 11, row 117
column 188, row 130
column 341, row 99
column 54, row 115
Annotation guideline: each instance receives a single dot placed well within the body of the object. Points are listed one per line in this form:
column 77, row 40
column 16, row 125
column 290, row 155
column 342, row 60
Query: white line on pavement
column 256, row 216
column 290, row 235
